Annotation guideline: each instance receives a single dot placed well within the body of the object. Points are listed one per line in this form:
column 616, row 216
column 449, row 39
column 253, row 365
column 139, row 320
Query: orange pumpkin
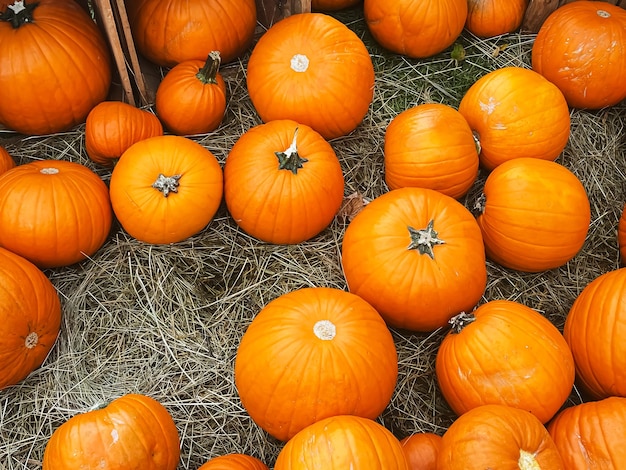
column 113, row 126
column 431, row 146
column 621, row 236
column 6, row 160
column 166, row 188
column 283, row 182
column 30, row 317
column 489, row 18
column 508, row 372
column 417, row 256
column 313, row 353
column 515, row 113
column 191, row 98
column 422, row 450
column 234, row 462
column 415, row 28
column 332, row 5
column 343, row 442
column 298, row 70
column 53, row 212
column 581, row 48
column 534, row 216
column 498, row 436
column 133, row 431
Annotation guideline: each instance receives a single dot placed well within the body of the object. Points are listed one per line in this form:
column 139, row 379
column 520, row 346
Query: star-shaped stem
column 166, row 184
column 19, row 13
column 289, row 159
column 424, row 240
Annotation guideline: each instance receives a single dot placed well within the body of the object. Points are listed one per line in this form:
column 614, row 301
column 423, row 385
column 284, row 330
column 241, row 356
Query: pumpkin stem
column 31, row 340
column 166, row 184
column 476, row 137
column 19, row 13
column 289, row 159
column 208, row 72
column 424, row 240
column 460, row 321
column 527, row 461
column 325, row 330
column 479, row 205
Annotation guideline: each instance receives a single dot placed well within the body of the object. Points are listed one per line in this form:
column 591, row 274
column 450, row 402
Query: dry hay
column 166, row 320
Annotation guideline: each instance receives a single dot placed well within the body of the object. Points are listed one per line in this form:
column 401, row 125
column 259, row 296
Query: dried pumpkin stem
column 527, row 461
column 479, row 205
column 289, row 159
column 208, row 73
column 166, row 184
column 460, row 321
column 424, row 240
column 19, row 13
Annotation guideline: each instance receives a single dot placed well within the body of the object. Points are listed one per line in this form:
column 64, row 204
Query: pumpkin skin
column 133, row 431
column 527, row 201
column 234, row 462
column 168, row 32
column 30, row 317
column 508, row 373
column 165, row 189
column 54, row 68
column 431, row 146
column 270, row 190
column 516, row 113
column 581, row 48
column 313, row 353
column 297, row 71
column 489, row 18
column 6, row 160
column 393, row 257
column 415, row 28
column 113, row 126
column 498, row 436
column 343, row 441
column 621, row 236
column 332, row 5
column 68, row 217
column 591, row 435
column 421, row 450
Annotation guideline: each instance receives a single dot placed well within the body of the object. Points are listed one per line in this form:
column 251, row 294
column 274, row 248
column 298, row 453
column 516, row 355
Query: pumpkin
column 534, row 215
column 581, row 48
column 53, row 212
column 283, row 183
column 234, row 461
column 165, row 189
column 421, row 450
column 498, row 436
column 312, row 353
column 298, row 69
column 343, row 441
column 191, row 98
column 30, row 317
column 591, row 434
column 489, row 18
column 132, row 431
column 594, row 330
column 415, row 28
column 515, row 113
column 332, row 5
column 113, row 126
column 417, row 256
column 430, row 146
column 508, row 372
column 168, row 32
column 6, row 160
column 55, row 66
column 621, row 236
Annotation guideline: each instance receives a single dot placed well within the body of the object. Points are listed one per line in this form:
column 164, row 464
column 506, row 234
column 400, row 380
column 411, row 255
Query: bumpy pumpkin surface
column 234, row 462
column 422, row 450
column 489, row 18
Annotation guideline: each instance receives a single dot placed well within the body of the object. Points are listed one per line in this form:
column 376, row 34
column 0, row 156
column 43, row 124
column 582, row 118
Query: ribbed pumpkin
column 234, row 462
column 53, row 212
column 515, row 113
column 431, row 146
column 6, row 160
column 332, row 5
column 489, row 18
column 422, row 450
column 313, row 353
column 534, row 215
column 30, row 317
column 508, row 372
column 417, row 256
column 298, row 70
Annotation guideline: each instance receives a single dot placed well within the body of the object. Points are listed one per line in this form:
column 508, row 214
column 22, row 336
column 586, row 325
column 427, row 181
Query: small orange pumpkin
column 234, row 462
column 489, row 18
column 422, row 450
column 6, row 160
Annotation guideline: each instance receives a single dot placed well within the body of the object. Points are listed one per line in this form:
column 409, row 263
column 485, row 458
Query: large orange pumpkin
column 417, row 256
column 53, row 212
column 6, row 160
column 313, row 353
column 30, row 317
column 489, row 18
column 422, row 450
column 234, row 462
column 299, row 70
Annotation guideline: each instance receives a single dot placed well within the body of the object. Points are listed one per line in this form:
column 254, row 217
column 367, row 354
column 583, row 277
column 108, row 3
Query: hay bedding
column 166, row 320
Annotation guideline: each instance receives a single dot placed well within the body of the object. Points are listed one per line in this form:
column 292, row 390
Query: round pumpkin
column 489, row 18
column 508, row 372
column 234, row 461
column 498, row 436
column 430, row 146
column 55, row 66
column 191, row 98
column 621, row 236
column 133, row 431
column 313, row 353
column 53, row 212
column 165, row 189
column 343, row 441
column 534, row 215
column 168, row 32
column 113, row 126
column 6, row 160
column 422, row 450
column 298, row 70
column 332, row 5
column 415, row 28
column 417, row 256
column 30, row 317
column 580, row 47
column 283, row 183
column 516, row 113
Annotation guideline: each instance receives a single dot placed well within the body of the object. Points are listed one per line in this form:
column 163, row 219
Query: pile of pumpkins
column 413, row 258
